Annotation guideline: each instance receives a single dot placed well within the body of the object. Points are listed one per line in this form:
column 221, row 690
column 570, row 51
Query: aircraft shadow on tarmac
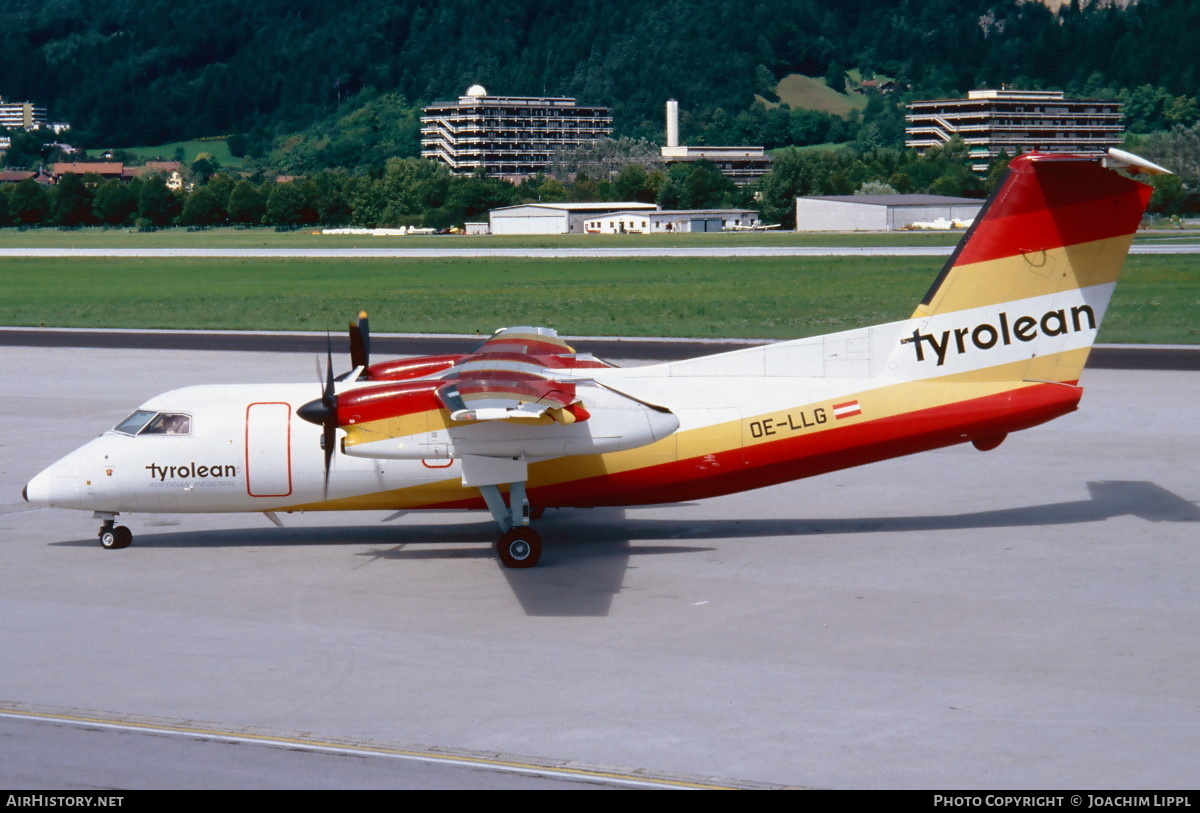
column 589, row 550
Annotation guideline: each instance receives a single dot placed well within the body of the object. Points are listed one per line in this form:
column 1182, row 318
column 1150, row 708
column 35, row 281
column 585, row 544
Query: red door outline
column 284, row 411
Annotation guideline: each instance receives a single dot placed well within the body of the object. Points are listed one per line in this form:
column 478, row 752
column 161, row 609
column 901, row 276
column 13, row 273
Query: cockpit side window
column 169, row 423
column 134, row 423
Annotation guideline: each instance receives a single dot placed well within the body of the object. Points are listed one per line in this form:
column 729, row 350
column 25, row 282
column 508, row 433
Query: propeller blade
column 360, row 342
column 329, row 424
column 323, row 412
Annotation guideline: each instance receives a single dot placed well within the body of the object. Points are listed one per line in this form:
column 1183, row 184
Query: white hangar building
column 554, row 218
column 670, row 220
column 879, row 212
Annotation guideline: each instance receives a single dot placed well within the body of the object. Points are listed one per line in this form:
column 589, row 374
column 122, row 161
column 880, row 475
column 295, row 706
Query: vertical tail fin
column 1028, row 285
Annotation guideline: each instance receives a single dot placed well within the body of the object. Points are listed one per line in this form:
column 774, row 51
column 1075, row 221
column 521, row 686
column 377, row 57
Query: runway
column 1015, row 619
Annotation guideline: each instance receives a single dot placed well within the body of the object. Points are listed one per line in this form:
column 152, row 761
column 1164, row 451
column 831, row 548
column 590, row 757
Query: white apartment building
column 512, row 137
column 1015, row 121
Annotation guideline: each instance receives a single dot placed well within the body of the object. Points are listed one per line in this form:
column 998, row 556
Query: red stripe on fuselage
column 807, row 455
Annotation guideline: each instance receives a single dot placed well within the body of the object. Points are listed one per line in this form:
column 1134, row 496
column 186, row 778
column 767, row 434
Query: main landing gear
column 519, row 545
column 113, row 536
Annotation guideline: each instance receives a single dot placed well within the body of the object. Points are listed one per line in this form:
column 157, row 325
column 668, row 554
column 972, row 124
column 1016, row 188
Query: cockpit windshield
column 134, row 423
column 145, row 422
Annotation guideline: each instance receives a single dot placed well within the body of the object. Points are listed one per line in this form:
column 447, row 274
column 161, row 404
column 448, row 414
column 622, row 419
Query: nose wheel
column 113, row 536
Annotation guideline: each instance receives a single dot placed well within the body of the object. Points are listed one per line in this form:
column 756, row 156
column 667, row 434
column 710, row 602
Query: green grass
column 306, row 238
column 1157, row 301
column 811, row 93
column 218, row 148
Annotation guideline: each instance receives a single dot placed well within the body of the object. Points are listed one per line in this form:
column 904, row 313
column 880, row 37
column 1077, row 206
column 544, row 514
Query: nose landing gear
column 113, row 536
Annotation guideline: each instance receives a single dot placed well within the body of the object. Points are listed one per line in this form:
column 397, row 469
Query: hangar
column 554, row 218
column 670, row 220
column 879, row 212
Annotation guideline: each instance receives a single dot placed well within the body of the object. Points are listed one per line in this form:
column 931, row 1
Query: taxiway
column 1020, row 618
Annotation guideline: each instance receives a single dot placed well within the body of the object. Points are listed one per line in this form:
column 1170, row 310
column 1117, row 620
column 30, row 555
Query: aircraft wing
column 510, row 397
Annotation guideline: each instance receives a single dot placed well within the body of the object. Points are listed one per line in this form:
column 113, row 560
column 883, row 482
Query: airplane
column 755, row 227
column 522, row 422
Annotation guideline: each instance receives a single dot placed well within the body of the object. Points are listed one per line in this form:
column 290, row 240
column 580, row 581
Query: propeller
column 323, row 413
column 360, row 342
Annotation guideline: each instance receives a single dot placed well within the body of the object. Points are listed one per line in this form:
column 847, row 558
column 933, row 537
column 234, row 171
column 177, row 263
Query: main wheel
column 520, row 547
column 115, row 538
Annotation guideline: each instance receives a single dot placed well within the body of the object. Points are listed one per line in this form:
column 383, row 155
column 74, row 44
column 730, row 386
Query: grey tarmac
column 1023, row 617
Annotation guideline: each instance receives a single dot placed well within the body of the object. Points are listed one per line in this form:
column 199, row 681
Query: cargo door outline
column 269, row 449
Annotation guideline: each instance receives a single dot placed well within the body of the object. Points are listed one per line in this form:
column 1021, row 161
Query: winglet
column 1133, row 164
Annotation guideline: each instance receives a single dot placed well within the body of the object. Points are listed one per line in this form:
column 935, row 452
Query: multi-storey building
column 22, row 115
column 508, row 136
column 742, row 165
column 1015, row 121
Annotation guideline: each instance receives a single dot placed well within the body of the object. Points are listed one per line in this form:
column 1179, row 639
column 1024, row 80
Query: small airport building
column 671, row 221
column 555, row 218
column 880, row 212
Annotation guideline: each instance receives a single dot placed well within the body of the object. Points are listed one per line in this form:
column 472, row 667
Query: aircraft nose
column 37, row 490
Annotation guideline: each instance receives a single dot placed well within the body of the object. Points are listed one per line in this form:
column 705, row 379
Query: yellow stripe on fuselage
column 877, row 403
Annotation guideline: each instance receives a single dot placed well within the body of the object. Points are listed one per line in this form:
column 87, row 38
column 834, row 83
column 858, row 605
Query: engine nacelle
column 406, row 369
column 615, row 423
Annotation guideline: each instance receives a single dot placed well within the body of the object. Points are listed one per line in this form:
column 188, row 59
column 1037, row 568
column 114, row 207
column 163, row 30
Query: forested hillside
column 128, row 72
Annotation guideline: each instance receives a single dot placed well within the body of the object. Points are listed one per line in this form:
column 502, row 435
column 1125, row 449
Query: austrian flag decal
column 846, row 410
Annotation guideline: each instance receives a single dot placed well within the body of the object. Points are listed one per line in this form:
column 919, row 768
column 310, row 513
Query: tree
column 413, row 187
column 29, row 203
column 204, row 167
column 114, row 204
column 635, row 183
column 72, row 205
column 1169, row 197
column 202, row 208
column 156, row 203
column 368, row 201
column 793, row 173
column 472, row 197
column 30, row 148
column 332, row 200
column 705, row 187
column 286, row 205
column 605, row 158
column 835, row 77
column 875, row 188
column 247, row 204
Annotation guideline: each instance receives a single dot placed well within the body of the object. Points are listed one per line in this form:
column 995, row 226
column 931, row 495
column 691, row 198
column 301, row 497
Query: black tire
column 520, row 547
column 115, row 538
